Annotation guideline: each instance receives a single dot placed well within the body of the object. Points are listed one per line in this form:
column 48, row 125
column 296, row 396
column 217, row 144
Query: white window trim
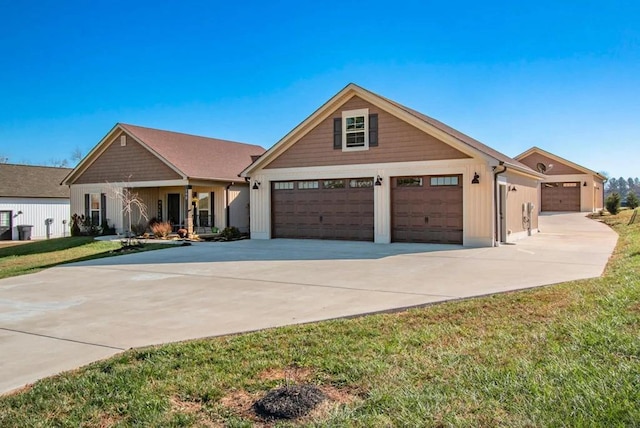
column 352, row 113
column 98, row 210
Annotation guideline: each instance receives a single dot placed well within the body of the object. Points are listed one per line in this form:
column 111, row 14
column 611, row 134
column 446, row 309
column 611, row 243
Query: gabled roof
column 429, row 125
column 191, row 156
column 559, row 159
column 28, row 181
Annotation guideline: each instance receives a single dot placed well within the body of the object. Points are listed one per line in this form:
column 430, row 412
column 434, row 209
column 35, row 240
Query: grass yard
column 565, row 355
column 37, row 255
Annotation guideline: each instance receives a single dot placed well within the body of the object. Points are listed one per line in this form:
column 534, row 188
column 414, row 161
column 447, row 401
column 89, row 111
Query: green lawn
column 38, row 255
column 565, row 355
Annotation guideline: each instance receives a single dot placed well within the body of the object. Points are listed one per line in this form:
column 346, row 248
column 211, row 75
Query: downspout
column 226, row 201
column 603, row 183
column 496, row 202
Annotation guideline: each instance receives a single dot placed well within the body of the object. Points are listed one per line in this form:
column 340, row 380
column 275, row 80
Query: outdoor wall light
column 378, row 181
column 512, row 189
column 584, row 184
column 256, row 185
column 476, row 178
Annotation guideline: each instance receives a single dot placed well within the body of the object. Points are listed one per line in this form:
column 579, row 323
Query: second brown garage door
column 561, row 196
column 427, row 209
column 323, row 209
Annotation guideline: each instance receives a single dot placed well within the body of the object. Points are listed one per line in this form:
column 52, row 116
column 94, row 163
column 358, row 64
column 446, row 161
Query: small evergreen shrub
column 76, row 221
column 613, row 203
column 230, row 233
column 138, row 229
column 632, row 200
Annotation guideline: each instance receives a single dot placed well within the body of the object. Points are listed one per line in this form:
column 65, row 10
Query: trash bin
column 24, row 232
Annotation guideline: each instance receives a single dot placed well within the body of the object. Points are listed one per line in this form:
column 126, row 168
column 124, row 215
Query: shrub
column 106, row 229
column 152, row 223
column 88, row 228
column 161, row 230
column 138, row 229
column 76, row 221
column 613, row 203
column 230, row 233
column 632, row 200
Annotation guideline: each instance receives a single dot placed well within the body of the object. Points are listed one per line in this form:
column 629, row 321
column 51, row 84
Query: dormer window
column 355, row 126
column 356, row 130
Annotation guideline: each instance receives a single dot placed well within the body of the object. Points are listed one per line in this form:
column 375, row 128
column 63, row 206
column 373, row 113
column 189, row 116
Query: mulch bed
column 289, row 402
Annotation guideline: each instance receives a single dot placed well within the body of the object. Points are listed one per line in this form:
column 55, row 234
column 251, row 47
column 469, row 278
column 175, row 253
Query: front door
column 173, row 208
column 5, row 225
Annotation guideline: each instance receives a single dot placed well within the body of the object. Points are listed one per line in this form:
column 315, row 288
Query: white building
column 33, row 196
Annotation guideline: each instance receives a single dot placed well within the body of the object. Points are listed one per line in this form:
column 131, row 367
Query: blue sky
column 564, row 76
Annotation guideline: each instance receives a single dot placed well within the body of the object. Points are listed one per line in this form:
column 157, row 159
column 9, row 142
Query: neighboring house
column 188, row 180
column 32, row 195
column 567, row 186
column 363, row 167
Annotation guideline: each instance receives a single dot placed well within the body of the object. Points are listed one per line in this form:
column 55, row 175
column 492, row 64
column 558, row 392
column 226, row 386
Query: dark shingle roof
column 27, row 181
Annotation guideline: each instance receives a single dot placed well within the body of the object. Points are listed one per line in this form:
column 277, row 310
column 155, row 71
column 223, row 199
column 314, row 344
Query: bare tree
column 4, row 159
column 58, row 163
column 130, row 201
column 76, row 155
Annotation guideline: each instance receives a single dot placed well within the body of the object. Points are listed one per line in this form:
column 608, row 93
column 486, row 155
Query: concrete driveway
column 68, row 316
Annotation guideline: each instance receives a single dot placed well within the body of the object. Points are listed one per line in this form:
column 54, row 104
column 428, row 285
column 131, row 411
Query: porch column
column 189, row 210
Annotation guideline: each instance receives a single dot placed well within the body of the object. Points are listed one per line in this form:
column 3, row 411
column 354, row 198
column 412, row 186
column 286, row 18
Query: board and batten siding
column 129, row 163
column 398, row 141
column 114, row 206
column 34, row 212
column 239, row 207
column 526, row 191
column 477, row 198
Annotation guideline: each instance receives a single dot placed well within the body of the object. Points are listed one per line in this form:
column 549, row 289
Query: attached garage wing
column 427, row 209
column 561, row 196
column 323, row 209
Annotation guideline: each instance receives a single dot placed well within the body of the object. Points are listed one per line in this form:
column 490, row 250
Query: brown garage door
column 561, row 196
column 323, row 209
column 427, row 209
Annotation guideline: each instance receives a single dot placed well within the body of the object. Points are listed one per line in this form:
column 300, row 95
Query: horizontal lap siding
column 129, row 163
column 398, row 142
column 558, row 168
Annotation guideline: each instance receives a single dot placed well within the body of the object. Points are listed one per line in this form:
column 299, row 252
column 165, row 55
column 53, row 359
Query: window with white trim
column 203, row 209
column 94, row 208
column 355, row 130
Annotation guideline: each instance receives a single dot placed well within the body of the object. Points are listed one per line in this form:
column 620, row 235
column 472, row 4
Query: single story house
column 190, row 181
column 363, row 167
column 566, row 186
column 32, row 196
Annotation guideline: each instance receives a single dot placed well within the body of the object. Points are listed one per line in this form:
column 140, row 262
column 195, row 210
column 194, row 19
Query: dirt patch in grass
column 293, row 374
column 241, row 404
column 108, row 421
column 182, row 406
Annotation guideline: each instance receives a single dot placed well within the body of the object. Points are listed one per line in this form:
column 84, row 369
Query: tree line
column 623, row 186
